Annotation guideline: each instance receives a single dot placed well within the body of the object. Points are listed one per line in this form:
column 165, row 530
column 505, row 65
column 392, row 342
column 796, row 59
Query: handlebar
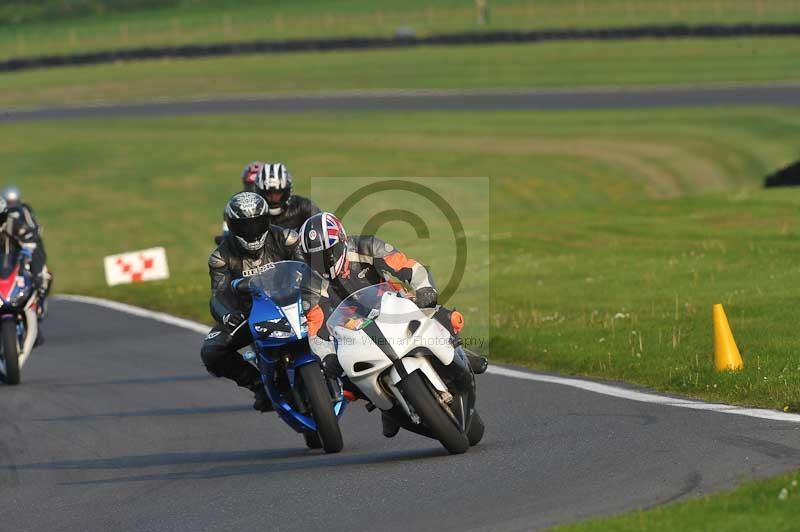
column 241, row 286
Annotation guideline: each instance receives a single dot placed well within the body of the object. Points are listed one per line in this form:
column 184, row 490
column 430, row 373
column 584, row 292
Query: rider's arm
column 388, row 259
column 221, row 302
column 24, row 229
column 289, row 242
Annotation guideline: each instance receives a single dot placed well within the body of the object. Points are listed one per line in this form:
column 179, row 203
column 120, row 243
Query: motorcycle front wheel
column 8, row 336
column 321, row 403
column 475, row 430
column 312, row 440
column 419, row 394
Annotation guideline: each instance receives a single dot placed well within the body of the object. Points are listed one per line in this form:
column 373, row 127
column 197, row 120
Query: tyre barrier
column 401, row 41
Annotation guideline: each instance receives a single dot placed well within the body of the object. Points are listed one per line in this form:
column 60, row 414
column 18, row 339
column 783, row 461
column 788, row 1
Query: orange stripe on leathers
column 397, row 261
column 315, row 317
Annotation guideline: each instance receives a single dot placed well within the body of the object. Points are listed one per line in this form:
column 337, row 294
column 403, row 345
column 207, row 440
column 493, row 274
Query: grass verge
column 765, row 505
column 546, row 65
column 611, row 234
column 50, row 27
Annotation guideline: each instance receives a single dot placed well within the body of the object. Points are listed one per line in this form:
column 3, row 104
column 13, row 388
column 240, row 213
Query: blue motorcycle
column 285, row 297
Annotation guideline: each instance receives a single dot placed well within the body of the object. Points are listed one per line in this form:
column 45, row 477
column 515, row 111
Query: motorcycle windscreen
column 295, row 318
column 362, row 307
column 287, row 281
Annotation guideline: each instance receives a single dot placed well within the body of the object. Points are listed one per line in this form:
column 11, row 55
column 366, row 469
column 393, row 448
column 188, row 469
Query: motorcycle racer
column 274, row 184
column 19, row 228
column 251, row 244
column 352, row 263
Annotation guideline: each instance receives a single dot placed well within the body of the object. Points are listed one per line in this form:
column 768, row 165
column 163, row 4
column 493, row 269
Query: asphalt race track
column 117, row 427
column 581, row 99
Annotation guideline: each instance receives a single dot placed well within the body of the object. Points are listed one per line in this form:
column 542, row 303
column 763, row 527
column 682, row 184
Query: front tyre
column 319, row 399
column 417, row 392
column 312, row 440
column 8, row 337
column 475, row 430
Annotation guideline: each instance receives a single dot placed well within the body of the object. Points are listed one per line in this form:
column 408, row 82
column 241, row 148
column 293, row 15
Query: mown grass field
column 611, row 233
column 51, row 27
column 550, row 65
column 766, row 505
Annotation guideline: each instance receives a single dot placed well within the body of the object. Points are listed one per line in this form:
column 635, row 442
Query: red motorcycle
column 19, row 322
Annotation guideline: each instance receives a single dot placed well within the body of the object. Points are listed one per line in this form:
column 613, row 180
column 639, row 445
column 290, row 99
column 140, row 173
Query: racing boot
column 41, row 307
column 333, row 370
column 390, row 428
column 477, row 363
column 262, row 402
column 43, row 290
column 246, row 376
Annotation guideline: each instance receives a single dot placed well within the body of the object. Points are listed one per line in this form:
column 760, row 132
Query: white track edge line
column 137, row 311
column 589, row 386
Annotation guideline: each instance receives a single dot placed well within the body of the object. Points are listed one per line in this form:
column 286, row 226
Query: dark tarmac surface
column 118, row 427
column 781, row 95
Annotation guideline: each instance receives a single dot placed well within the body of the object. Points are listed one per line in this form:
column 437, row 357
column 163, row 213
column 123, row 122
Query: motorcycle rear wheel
column 321, row 403
column 8, row 334
column 417, row 392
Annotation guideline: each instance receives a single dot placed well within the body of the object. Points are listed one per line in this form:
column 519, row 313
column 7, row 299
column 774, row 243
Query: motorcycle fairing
column 365, row 360
column 16, row 287
column 264, row 310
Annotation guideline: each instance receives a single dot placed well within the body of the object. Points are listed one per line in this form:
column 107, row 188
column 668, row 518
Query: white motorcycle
column 404, row 362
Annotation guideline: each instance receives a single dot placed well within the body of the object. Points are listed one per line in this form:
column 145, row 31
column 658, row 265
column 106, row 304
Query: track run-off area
column 118, row 427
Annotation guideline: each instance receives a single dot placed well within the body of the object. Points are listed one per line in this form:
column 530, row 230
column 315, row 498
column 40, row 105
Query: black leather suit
column 226, row 263
column 22, row 229
column 296, row 212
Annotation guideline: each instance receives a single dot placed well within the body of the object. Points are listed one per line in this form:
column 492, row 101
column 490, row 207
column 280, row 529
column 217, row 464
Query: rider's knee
column 213, row 355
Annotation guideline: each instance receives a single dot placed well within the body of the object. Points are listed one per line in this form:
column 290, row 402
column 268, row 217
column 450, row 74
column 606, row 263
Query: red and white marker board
column 136, row 266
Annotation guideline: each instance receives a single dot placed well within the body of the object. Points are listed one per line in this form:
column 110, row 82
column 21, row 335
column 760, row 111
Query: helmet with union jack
column 324, row 242
column 274, row 183
column 250, row 175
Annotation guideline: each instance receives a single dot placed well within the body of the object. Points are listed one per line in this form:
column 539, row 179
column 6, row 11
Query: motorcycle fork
column 459, row 378
column 293, row 384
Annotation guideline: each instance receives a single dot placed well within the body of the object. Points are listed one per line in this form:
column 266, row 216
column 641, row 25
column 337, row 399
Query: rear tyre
column 8, row 337
column 417, row 392
column 312, row 440
column 319, row 399
column 476, row 429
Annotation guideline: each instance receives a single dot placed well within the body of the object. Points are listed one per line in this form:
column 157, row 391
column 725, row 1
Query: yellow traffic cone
column 726, row 354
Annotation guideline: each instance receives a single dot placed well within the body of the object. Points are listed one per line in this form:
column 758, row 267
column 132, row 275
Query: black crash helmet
column 247, row 216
